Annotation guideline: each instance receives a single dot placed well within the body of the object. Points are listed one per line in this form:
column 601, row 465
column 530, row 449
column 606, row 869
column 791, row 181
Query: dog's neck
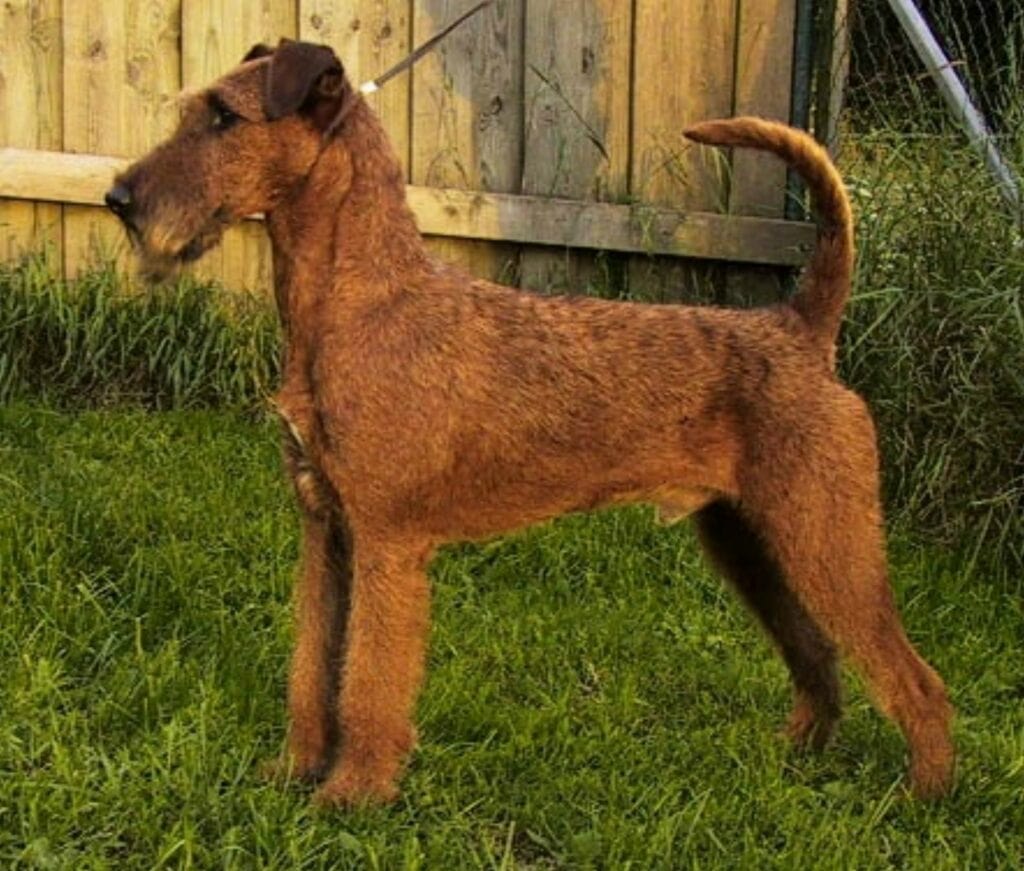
column 348, row 230
column 375, row 220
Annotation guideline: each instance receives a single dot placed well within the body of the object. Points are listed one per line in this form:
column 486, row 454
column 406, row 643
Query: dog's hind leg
column 816, row 507
column 382, row 671
column 737, row 552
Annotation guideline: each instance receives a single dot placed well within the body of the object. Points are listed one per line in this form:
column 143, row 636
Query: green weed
column 934, row 338
column 91, row 342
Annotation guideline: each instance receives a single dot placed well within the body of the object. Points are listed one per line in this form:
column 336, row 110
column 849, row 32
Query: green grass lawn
column 595, row 698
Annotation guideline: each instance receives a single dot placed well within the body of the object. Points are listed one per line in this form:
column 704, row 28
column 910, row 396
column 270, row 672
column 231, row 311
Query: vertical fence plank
column 369, row 36
column 764, row 69
column 468, row 115
column 840, row 73
column 216, row 34
column 30, row 116
column 764, row 66
column 577, row 55
column 121, row 82
column 682, row 72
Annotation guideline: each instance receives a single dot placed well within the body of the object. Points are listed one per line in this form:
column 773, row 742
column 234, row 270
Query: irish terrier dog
column 421, row 406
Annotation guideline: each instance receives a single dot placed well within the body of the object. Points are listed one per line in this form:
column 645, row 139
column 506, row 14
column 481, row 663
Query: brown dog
column 424, row 407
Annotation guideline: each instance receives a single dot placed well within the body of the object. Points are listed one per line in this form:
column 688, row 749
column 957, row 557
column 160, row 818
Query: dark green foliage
column 89, row 343
column 935, row 336
column 934, row 339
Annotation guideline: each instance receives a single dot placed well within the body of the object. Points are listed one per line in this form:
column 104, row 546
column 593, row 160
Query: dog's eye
column 223, row 117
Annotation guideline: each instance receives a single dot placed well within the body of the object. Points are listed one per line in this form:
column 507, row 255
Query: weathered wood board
column 514, row 132
column 576, row 137
column 30, row 117
column 120, row 86
column 467, row 116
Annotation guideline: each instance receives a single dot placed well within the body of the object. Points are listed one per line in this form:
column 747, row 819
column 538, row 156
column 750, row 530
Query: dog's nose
column 118, row 199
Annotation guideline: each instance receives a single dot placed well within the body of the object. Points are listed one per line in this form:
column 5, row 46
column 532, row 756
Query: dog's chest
column 311, row 487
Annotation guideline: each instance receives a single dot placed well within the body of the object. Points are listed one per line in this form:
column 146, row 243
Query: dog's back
column 532, row 406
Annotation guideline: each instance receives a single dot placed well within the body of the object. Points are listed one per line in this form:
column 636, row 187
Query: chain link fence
column 888, row 86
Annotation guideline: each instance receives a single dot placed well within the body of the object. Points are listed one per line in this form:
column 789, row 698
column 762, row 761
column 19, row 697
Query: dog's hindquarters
column 804, row 545
column 810, row 514
column 825, row 285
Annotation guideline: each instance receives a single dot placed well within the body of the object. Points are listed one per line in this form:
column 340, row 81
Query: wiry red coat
column 422, row 407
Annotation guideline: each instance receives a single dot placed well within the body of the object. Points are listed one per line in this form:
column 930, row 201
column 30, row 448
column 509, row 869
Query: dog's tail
column 825, row 285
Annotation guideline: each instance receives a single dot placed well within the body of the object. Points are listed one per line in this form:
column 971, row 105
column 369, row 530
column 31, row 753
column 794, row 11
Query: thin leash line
column 411, row 58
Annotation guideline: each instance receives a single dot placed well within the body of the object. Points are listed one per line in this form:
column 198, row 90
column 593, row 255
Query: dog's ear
column 261, row 49
column 302, row 74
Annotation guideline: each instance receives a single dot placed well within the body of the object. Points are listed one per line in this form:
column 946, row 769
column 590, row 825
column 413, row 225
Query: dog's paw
column 287, row 769
column 350, row 789
column 932, row 778
column 807, row 731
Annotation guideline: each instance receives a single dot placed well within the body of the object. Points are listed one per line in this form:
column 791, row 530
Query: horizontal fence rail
column 52, row 176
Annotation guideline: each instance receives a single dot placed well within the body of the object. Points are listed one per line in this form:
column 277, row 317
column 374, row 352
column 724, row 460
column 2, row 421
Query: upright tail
column 825, row 285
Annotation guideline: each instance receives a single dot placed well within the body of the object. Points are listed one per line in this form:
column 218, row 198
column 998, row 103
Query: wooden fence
column 541, row 128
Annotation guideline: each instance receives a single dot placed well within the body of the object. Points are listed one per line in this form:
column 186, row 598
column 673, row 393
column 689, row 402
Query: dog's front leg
column 321, row 606
column 321, row 610
column 383, row 668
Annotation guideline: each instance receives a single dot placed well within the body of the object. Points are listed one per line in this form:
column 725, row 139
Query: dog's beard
column 163, row 251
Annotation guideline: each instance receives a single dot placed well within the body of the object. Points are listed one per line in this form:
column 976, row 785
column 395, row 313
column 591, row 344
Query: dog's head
column 243, row 144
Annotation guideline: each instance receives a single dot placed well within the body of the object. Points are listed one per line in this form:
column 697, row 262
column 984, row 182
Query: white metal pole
column 956, row 96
